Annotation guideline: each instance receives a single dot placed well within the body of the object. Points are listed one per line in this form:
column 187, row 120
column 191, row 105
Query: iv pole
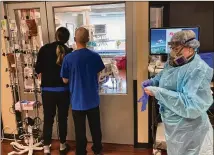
column 30, row 123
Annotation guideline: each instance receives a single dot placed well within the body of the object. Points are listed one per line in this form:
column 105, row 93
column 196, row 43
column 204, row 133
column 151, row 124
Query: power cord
column 13, row 132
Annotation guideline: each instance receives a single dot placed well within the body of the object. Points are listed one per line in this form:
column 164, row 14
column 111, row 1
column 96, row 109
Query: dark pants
column 51, row 101
column 93, row 116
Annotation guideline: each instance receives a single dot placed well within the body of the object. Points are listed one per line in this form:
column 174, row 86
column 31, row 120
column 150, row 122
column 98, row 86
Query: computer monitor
column 159, row 38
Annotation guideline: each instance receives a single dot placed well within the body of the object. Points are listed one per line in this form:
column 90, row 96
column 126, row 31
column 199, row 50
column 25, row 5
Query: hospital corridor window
column 107, row 27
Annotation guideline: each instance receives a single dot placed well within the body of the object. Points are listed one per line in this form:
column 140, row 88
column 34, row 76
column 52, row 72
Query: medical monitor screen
column 159, row 38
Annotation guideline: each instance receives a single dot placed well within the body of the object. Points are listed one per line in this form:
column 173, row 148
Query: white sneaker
column 156, row 152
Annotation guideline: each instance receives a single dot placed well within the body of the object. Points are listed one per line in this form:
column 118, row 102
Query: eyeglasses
column 177, row 48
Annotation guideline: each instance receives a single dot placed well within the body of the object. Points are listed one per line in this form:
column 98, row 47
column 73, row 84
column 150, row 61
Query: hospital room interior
column 132, row 40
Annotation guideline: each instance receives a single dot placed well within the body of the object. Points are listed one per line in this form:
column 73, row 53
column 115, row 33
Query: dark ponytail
column 62, row 35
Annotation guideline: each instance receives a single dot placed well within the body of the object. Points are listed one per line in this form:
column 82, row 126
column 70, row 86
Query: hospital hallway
column 109, row 149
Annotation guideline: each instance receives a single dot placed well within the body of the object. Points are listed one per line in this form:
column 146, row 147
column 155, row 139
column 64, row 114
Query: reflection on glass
column 106, row 24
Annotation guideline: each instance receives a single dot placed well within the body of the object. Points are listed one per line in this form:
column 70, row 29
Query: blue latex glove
column 144, row 100
column 146, row 83
column 145, row 97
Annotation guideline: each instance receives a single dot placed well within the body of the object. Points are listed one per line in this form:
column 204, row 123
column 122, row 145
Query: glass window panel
column 106, row 24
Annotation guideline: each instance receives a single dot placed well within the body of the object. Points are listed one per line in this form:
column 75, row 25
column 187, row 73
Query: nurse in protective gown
column 183, row 92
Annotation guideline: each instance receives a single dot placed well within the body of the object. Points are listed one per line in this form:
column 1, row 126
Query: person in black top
column 54, row 92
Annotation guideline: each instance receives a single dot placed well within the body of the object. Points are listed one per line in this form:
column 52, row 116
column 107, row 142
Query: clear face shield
column 176, row 55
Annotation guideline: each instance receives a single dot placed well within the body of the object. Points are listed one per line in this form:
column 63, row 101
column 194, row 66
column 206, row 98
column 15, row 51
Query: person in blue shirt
column 55, row 93
column 81, row 70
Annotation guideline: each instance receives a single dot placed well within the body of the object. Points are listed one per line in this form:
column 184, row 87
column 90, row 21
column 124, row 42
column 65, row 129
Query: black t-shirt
column 46, row 65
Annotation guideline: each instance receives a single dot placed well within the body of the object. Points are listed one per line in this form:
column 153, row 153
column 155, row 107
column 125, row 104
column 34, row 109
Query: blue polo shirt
column 81, row 67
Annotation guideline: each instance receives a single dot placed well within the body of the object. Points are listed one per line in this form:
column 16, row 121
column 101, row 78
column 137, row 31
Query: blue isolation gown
column 184, row 96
